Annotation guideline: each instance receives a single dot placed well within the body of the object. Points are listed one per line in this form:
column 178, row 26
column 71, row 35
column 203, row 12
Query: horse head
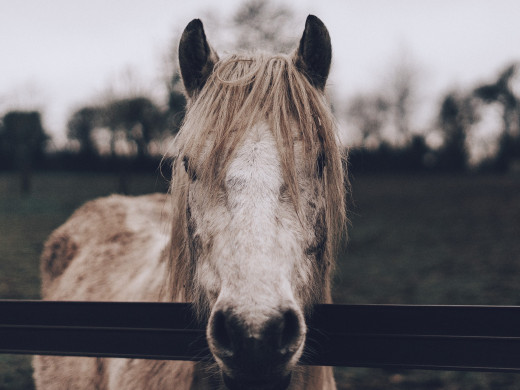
column 259, row 195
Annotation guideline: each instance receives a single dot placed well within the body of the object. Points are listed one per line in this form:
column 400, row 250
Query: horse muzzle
column 256, row 353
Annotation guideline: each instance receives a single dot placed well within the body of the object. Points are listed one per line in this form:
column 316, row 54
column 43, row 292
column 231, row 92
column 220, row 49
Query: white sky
column 56, row 55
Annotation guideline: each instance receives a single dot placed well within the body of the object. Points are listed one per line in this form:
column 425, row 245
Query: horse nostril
column 220, row 333
column 291, row 331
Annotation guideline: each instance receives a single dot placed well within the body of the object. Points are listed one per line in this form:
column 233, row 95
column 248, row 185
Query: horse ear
column 196, row 57
column 315, row 52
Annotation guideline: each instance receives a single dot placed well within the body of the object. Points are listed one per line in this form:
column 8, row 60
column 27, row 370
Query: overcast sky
column 56, row 55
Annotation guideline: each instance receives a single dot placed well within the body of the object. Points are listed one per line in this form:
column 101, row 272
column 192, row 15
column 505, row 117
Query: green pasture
column 413, row 239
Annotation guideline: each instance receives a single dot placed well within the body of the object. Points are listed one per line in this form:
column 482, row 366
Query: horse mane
column 242, row 91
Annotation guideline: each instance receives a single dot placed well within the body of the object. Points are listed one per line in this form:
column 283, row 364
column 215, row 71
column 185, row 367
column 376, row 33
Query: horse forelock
column 241, row 92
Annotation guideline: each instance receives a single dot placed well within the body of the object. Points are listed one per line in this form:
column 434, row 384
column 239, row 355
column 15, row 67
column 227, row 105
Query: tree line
column 126, row 133
column 459, row 117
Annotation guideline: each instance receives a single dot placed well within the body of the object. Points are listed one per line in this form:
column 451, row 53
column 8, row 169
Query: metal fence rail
column 475, row 338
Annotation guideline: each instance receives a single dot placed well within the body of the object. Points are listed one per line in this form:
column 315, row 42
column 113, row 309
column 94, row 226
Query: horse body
column 247, row 232
column 117, row 249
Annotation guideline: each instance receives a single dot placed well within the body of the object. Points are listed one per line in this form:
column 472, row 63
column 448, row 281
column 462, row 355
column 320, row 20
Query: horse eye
column 189, row 169
column 283, row 195
column 320, row 163
column 185, row 163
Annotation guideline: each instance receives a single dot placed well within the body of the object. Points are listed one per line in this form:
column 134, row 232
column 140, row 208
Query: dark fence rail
column 473, row 338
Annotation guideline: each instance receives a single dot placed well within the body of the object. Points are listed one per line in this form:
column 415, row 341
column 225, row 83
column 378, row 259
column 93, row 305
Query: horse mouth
column 278, row 383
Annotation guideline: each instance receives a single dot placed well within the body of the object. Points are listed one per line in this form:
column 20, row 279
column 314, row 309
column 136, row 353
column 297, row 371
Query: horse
column 247, row 231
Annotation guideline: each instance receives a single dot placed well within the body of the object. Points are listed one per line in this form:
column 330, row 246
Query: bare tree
column 263, row 24
column 369, row 114
column 387, row 114
column 80, row 127
column 402, row 97
column 138, row 120
column 501, row 92
column 456, row 115
column 25, row 134
column 176, row 103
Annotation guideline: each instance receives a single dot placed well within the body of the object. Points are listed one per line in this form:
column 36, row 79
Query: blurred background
column 427, row 99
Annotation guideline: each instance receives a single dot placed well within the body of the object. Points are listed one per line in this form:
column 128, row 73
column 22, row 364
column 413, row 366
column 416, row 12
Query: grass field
column 431, row 240
column 424, row 240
